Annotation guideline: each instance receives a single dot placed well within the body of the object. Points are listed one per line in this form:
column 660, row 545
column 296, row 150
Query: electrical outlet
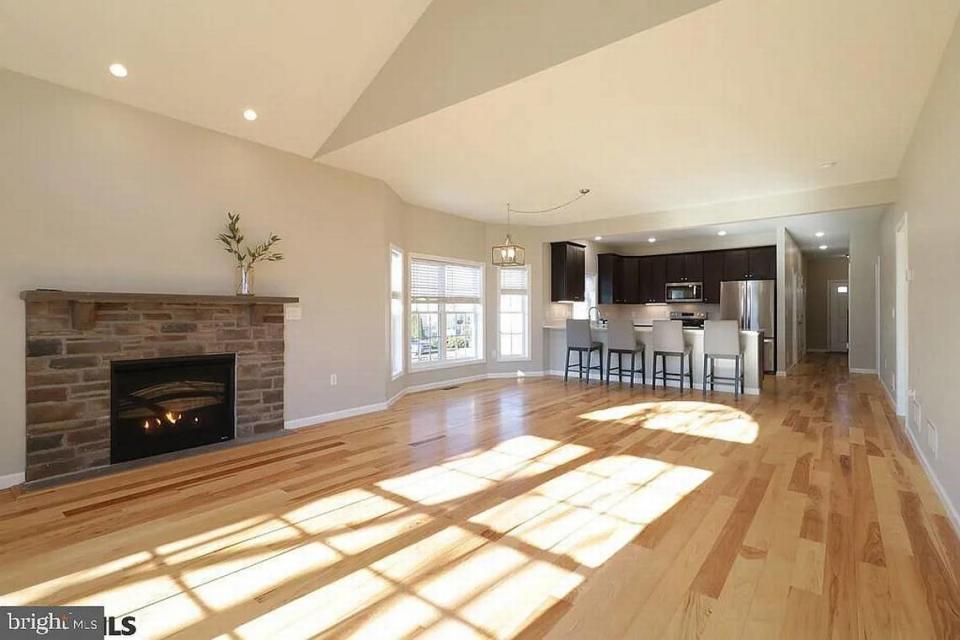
column 933, row 441
column 916, row 414
column 333, row 379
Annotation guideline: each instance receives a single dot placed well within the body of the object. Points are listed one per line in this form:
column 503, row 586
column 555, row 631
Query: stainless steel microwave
column 684, row 292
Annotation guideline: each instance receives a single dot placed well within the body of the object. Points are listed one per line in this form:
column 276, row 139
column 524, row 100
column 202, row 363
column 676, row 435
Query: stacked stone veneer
column 68, row 370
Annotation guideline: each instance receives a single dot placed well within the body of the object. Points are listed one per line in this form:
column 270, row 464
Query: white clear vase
column 245, row 280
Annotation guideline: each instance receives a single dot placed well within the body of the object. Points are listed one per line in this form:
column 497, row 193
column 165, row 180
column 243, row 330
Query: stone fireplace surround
column 72, row 337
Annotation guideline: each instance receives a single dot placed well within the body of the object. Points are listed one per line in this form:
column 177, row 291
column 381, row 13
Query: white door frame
column 902, row 315
column 876, row 314
column 830, row 285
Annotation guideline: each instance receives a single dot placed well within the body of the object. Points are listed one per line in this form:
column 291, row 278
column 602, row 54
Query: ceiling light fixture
column 511, row 254
column 721, row 233
column 651, row 239
column 828, row 165
column 823, row 247
column 819, row 234
column 117, row 70
column 598, row 238
column 249, row 115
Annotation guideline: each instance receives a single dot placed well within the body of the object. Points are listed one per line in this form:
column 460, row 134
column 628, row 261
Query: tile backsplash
column 651, row 312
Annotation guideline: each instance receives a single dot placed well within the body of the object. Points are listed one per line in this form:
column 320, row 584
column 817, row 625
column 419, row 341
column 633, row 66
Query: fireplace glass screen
column 169, row 404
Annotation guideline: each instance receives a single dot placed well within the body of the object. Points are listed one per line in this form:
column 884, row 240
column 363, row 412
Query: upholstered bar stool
column 721, row 341
column 668, row 343
column 580, row 339
column 622, row 341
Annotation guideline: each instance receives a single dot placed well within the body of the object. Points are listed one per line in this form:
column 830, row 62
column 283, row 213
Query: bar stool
column 721, row 341
column 621, row 341
column 579, row 339
column 668, row 342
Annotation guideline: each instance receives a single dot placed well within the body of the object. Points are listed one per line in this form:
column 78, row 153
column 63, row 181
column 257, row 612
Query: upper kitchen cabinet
column 653, row 278
column 630, row 281
column 712, row 275
column 567, row 271
column 763, row 263
column 609, row 276
column 684, row 267
column 759, row 263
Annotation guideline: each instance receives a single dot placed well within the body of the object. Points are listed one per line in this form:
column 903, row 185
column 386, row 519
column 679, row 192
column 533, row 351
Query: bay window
column 446, row 312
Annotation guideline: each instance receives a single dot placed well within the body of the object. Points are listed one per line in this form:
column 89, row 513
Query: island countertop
column 751, row 344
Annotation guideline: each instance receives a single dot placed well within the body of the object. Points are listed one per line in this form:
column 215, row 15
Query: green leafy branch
column 232, row 241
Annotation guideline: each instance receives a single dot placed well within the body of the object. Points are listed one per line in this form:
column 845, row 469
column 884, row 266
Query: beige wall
column 930, row 196
column 101, row 196
column 819, row 272
column 789, row 276
column 864, row 249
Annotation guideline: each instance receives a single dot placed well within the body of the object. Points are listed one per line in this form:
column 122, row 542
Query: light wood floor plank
column 520, row 509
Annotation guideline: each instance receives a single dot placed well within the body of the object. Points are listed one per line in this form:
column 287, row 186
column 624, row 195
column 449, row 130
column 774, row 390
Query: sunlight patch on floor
column 701, row 419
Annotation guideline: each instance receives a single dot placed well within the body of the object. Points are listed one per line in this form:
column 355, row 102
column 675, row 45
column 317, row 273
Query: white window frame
column 397, row 339
column 443, row 363
column 525, row 357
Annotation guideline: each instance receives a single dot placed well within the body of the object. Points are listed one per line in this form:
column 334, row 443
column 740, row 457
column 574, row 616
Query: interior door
column 839, row 314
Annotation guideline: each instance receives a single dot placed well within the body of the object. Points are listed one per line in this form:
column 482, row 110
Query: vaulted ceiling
column 462, row 105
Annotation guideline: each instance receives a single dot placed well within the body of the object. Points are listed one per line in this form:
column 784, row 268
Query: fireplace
column 160, row 405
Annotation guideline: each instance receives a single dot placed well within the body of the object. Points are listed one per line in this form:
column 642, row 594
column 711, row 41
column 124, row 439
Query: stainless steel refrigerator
column 753, row 304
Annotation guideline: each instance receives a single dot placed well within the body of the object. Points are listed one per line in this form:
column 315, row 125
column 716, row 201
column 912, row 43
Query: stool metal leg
column 633, row 367
column 681, row 373
column 608, row 366
column 566, row 368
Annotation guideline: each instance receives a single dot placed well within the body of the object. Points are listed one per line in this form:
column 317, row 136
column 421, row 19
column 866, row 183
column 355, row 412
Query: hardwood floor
column 520, row 509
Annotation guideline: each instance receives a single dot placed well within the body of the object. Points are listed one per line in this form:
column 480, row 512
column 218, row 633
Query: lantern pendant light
column 509, row 254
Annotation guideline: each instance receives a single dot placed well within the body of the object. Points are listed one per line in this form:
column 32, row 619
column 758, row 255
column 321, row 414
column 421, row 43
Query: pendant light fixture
column 511, row 254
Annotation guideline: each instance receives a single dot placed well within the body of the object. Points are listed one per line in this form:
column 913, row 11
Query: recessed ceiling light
column 819, row 234
column 721, row 233
column 828, row 165
column 651, row 240
column 823, row 247
column 249, row 114
column 598, row 237
column 117, row 70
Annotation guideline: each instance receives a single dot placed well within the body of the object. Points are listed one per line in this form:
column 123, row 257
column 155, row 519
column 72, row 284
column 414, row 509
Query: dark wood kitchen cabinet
column 567, row 274
column 712, row 276
column 763, row 263
column 736, row 265
column 630, row 284
column 653, row 278
column 609, row 274
column 759, row 263
column 685, row 267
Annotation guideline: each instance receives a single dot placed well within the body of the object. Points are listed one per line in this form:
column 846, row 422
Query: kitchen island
column 751, row 342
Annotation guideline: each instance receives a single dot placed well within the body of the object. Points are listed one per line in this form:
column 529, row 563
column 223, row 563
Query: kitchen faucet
column 599, row 319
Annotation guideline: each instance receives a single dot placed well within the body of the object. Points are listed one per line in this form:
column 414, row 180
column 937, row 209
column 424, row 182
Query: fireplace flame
column 172, row 418
column 146, row 424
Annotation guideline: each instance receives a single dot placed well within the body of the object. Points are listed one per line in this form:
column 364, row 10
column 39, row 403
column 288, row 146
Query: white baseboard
column 893, row 401
column 750, row 391
column 309, row 421
column 952, row 514
column 299, row 423
column 857, row 370
column 11, row 480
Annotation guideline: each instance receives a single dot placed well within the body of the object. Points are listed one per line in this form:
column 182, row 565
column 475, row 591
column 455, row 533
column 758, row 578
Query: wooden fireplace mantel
column 83, row 304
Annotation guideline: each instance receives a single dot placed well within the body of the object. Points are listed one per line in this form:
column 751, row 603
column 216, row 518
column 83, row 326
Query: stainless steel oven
column 684, row 292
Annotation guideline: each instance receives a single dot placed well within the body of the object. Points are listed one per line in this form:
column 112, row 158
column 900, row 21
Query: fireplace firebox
column 161, row 405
